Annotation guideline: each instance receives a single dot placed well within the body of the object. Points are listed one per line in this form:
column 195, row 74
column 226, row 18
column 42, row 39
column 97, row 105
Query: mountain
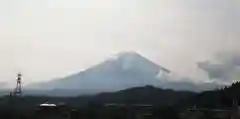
column 122, row 71
column 143, row 95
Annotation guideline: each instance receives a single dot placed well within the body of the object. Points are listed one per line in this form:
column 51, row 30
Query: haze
column 47, row 39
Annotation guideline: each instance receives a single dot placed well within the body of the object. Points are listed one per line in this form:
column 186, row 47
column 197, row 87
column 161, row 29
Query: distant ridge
column 144, row 95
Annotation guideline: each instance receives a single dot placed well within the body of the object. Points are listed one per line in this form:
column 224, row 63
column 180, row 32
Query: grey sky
column 47, row 39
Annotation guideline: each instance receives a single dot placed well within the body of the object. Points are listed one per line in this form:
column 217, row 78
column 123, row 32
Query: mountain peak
column 132, row 59
column 127, row 56
column 128, row 53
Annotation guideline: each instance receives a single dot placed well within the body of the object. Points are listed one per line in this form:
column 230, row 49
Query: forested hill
column 139, row 95
column 144, row 95
column 221, row 98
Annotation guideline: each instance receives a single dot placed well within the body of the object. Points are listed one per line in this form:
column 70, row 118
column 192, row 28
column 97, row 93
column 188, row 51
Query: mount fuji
column 122, row 71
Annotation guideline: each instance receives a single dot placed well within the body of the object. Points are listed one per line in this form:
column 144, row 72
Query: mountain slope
column 122, row 71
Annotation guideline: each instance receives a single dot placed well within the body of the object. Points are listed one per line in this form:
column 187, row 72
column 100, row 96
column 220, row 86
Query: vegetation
column 130, row 103
column 162, row 104
column 221, row 98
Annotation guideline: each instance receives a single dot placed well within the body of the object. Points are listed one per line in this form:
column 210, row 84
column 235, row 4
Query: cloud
column 230, row 58
column 216, row 71
column 225, row 68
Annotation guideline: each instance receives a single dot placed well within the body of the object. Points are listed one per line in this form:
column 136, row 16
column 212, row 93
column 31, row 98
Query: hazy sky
column 46, row 39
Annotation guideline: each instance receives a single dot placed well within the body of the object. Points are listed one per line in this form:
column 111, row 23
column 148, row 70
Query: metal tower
column 18, row 89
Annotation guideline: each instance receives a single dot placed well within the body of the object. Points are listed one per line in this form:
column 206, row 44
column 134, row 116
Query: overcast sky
column 46, row 39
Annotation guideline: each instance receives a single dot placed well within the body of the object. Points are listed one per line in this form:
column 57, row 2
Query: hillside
column 138, row 95
column 143, row 95
column 122, row 71
column 125, row 70
column 221, row 98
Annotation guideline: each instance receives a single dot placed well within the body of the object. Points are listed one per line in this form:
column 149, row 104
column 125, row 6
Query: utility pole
column 18, row 89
